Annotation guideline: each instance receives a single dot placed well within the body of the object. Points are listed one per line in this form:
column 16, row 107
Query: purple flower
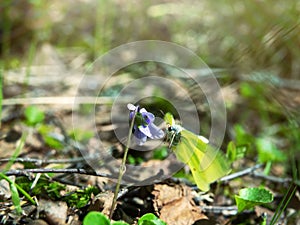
column 143, row 125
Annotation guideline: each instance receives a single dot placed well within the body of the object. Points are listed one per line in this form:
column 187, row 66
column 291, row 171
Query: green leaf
column 160, row 153
column 234, row 152
column 1, row 91
column 241, row 136
column 52, row 142
column 54, row 189
column 134, row 160
column 33, row 115
column 81, row 135
column 15, row 198
column 80, row 198
column 49, row 137
column 20, row 189
column 119, row 223
column 231, row 151
column 268, row 152
column 247, row 90
column 95, row 218
column 150, row 219
column 250, row 197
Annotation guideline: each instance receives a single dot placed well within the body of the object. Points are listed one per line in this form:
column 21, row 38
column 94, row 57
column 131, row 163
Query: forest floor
column 52, row 151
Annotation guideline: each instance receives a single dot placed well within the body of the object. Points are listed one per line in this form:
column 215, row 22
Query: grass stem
column 122, row 168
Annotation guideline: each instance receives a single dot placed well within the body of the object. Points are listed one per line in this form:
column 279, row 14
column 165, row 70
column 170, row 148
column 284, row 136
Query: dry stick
column 272, row 178
column 224, row 210
column 241, row 173
column 26, row 172
column 251, row 171
column 122, row 168
column 45, row 161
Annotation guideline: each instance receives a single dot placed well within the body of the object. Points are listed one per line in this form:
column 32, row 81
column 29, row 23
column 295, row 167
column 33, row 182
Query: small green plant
column 33, row 115
column 81, row 135
column 53, row 189
column 81, row 198
column 283, row 204
column 160, row 153
column 234, row 152
column 49, row 136
column 242, row 137
column 15, row 188
column 57, row 191
column 268, row 153
column 98, row 218
column 250, row 197
column 15, row 198
column 134, row 160
column 1, row 93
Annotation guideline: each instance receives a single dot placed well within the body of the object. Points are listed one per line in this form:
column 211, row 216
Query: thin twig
column 224, row 210
column 41, row 162
column 271, row 178
column 26, row 172
column 251, row 171
column 241, row 173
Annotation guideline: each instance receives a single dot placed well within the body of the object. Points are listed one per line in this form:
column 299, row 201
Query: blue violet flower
column 143, row 125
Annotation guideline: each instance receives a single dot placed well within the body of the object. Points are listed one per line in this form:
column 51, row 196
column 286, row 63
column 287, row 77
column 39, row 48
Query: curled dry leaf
column 102, row 202
column 175, row 205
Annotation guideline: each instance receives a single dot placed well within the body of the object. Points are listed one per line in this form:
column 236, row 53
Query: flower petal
column 143, row 110
column 137, row 133
column 149, row 117
column 156, row 133
column 143, row 124
column 139, row 138
column 145, row 130
column 131, row 107
column 131, row 115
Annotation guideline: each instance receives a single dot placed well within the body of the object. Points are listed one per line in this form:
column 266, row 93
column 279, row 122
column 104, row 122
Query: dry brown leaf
column 260, row 211
column 102, row 202
column 5, row 192
column 175, row 205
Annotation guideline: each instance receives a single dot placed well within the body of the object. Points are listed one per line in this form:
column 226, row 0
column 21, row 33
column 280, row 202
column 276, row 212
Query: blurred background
column 246, row 42
column 253, row 47
column 241, row 36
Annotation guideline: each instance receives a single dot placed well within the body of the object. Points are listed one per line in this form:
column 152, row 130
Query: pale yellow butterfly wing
column 169, row 119
column 206, row 164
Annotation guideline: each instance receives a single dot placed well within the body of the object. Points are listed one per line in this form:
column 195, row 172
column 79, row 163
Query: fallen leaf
column 5, row 190
column 175, row 204
column 38, row 222
column 102, row 202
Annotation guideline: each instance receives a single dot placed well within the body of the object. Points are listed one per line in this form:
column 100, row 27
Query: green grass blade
column 1, row 92
column 15, row 198
column 21, row 190
column 284, row 202
column 16, row 152
column 8, row 166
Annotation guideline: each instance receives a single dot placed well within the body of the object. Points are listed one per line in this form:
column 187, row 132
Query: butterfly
column 206, row 163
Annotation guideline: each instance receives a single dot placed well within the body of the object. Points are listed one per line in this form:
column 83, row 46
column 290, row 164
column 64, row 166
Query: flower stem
column 122, row 168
